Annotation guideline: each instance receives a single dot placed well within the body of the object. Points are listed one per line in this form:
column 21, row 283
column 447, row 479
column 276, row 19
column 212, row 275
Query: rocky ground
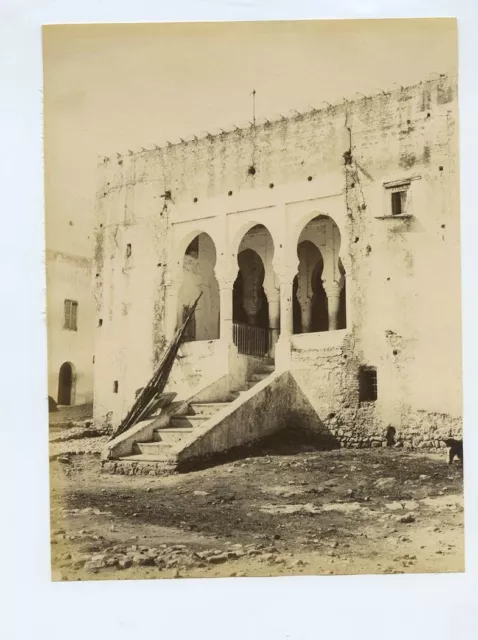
column 275, row 513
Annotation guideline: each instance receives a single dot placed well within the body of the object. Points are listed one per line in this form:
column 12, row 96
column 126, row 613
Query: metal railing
column 250, row 340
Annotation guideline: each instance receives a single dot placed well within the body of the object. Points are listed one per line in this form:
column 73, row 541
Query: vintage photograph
column 253, row 298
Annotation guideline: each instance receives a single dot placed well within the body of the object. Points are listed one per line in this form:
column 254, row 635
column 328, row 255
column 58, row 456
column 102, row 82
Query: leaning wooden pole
column 149, row 396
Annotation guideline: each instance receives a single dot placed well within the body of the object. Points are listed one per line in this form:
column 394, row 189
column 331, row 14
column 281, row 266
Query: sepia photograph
column 253, row 298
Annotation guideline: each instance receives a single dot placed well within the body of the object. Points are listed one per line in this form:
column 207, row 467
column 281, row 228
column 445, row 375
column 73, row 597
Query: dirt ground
column 309, row 512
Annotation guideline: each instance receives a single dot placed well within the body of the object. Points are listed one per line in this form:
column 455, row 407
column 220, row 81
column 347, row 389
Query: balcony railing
column 250, row 340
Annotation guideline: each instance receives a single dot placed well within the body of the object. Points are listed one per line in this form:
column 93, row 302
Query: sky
column 110, row 88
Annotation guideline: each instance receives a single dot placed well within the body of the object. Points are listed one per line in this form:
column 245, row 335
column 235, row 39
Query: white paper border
column 399, row 606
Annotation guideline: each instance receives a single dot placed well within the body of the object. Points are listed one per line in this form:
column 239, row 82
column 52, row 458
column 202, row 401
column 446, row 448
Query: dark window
column 398, row 202
column 115, row 386
column 368, row 384
column 70, row 315
column 128, row 250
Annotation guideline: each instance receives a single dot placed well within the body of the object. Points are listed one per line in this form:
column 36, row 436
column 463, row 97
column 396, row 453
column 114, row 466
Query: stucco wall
column 403, row 274
column 70, row 278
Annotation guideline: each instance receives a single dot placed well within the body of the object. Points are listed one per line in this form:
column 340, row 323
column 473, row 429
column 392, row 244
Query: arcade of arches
column 254, row 309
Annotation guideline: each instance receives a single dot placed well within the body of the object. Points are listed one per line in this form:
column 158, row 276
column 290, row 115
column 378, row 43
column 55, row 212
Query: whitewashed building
column 71, row 328
column 327, row 250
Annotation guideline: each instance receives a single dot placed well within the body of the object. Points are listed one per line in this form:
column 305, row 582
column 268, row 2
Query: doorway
column 66, row 384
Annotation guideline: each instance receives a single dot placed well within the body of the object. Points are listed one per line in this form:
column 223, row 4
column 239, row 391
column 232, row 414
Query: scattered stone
column 217, row 559
column 405, row 519
column 95, row 563
column 394, row 506
column 125, row 563
column 142, row 561
column 385, row 483
column 343, row 507
column 111, row 562
column 79, row 563
column 289, row 509
column 200, row 493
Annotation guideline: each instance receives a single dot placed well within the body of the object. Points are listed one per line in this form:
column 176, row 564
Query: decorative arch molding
column 183, row 235
column 343, row 255
column 239, row 231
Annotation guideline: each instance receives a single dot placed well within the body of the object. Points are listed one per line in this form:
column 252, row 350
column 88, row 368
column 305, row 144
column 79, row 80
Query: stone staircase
column 182, row 426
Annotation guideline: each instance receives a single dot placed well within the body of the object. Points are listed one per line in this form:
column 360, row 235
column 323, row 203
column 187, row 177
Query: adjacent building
column 70, row 324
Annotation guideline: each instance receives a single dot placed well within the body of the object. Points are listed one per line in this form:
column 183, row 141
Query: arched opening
column 319, row 299
column 198, row 276
column 66, row 384
column 255, row 319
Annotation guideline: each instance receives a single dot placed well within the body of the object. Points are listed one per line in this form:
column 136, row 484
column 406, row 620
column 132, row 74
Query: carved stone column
column 226, row 286
column 273, row 299
column 305, row 293
column 283, row 345
column 332, row 291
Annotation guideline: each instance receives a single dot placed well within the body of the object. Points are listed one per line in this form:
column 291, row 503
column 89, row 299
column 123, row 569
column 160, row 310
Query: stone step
column 265, row 368
column 206, row 408
column 141, row 457
column 236, row 394
column 187, row 421
column 153, row 448
column 257, row 377
column 169, row 436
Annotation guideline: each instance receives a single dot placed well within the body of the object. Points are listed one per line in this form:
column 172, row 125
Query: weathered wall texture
column 402, row 273
column 69, row 277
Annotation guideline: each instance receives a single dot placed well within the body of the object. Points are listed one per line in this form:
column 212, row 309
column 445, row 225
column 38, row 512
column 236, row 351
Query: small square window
column 368, row 384
column 397, row 198
column 399, row 201
column 70, row 317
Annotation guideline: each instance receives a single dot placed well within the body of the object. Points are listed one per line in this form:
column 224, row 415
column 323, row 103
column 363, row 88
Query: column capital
column 225, row 274
column 225, row 282
column 331, row 287
column 272, row 292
